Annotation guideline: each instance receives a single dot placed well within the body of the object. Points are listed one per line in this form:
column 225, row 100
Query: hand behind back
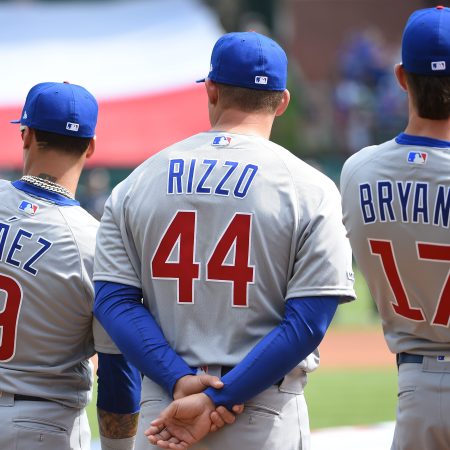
column 183, row 423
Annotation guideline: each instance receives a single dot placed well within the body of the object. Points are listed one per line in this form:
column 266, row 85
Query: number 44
column 426, row 251
column 182, row 230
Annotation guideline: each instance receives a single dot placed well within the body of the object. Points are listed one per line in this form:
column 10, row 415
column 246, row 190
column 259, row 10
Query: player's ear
column 91, row 148
column 27, row 136
column 212, row 91
column 401, row 76
column 284, row 103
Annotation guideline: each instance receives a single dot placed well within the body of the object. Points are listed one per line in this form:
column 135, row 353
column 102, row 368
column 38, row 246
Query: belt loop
column 404, row 357
column 6, row 399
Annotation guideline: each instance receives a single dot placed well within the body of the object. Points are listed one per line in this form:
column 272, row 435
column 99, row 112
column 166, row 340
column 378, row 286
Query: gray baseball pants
column 42, row 425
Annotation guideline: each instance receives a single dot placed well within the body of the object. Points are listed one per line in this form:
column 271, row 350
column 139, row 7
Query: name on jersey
column 210, row 176
column 12, row 243
column 405, row 201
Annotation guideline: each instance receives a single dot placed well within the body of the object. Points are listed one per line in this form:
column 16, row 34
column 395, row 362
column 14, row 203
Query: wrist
column 208, row 393
column 178, row 389
column 175, row 385
column 117, row 444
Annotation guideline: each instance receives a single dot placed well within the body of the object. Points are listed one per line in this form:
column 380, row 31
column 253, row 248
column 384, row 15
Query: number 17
column 428, row 252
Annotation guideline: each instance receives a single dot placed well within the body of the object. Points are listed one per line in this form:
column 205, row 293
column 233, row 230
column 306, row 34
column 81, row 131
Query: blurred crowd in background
column 368, row 106
column 354, row 104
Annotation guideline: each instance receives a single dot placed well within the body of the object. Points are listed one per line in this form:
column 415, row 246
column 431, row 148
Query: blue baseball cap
column 249, row 60
column 426, row 42
column 61, row 108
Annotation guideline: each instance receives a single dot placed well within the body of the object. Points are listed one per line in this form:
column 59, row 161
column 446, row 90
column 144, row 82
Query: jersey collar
column 408, row 139
column 53, row 197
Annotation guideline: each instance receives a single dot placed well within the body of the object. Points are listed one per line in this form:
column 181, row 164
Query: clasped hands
column 192, row 414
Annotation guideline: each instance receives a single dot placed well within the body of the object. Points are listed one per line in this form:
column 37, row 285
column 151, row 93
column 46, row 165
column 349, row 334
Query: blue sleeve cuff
column 298, row 335
column 119, row 309
column 119, row 385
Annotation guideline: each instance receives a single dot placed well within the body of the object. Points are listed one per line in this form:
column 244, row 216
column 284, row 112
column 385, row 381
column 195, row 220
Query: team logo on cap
column 417, row 157
column 25, row 115
column 259, row 79
column 29, row 208
column 438, row 65
column 221, row 141
column 72, row 126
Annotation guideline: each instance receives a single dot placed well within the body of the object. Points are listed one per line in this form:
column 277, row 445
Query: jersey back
column 46, row 295
column 219, row 230
column 396, row 204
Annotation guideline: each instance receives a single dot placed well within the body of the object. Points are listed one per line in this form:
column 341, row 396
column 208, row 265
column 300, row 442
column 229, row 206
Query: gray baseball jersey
column 46, row 296
column 219, row 230
column 396, row 205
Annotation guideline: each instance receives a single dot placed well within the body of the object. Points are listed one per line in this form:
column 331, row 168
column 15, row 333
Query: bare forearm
column 117, row 426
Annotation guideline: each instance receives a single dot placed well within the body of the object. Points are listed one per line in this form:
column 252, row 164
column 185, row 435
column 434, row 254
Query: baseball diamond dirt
column 355, row 348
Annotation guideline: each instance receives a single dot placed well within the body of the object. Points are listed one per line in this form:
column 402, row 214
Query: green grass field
column 92, row 414
column 338, row 397
column 351, row 397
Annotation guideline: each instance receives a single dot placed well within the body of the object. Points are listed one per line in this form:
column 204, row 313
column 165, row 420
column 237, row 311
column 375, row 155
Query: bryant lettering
column 408, row 201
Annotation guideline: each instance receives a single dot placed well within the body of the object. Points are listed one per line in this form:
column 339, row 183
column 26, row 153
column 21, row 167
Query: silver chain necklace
column 47, row 184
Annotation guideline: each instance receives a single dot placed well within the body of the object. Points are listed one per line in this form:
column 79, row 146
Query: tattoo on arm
column 117, row 426
column 46, row 176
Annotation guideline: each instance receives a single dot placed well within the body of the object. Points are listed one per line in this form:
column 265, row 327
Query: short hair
column 431, row 95
column 67, row 144
column 249, row 100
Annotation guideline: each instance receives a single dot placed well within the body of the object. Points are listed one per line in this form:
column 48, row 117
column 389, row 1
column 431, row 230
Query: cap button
column 440, row 7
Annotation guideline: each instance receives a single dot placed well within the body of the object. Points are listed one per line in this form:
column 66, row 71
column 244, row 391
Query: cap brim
column 201, row 81
column 15, row 121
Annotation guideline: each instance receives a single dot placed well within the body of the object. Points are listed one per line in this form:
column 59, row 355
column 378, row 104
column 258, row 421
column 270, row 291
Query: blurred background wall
column 141, row 58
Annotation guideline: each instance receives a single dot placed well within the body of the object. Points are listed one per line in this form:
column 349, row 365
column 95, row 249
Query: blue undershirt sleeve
column 119, row 309
column 116, row 375
column 299, row 334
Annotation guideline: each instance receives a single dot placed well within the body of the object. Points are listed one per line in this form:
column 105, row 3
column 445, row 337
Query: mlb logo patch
column 221, row 141
column 417, row 157
column 72, row 126
column 29, row 208
column 259, row 79
column 438, row 65
column 443, row 358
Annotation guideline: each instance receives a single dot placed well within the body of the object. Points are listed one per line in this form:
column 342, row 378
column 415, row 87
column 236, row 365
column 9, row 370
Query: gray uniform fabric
column 219, row 230
column 38, row 425
column 46, row 295
column 275, row 418
column 423, row 406
column 396, row 209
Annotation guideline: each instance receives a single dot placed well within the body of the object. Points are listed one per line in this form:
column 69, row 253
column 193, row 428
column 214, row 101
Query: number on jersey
column 426, row 251
column 9, row 316
column 182, row 231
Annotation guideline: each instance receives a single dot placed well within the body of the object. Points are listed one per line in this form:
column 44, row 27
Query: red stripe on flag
column 129, row 130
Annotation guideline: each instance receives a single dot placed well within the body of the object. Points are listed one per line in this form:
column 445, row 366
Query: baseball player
column 396, row 203
column 47, row 246
column 238, row 251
